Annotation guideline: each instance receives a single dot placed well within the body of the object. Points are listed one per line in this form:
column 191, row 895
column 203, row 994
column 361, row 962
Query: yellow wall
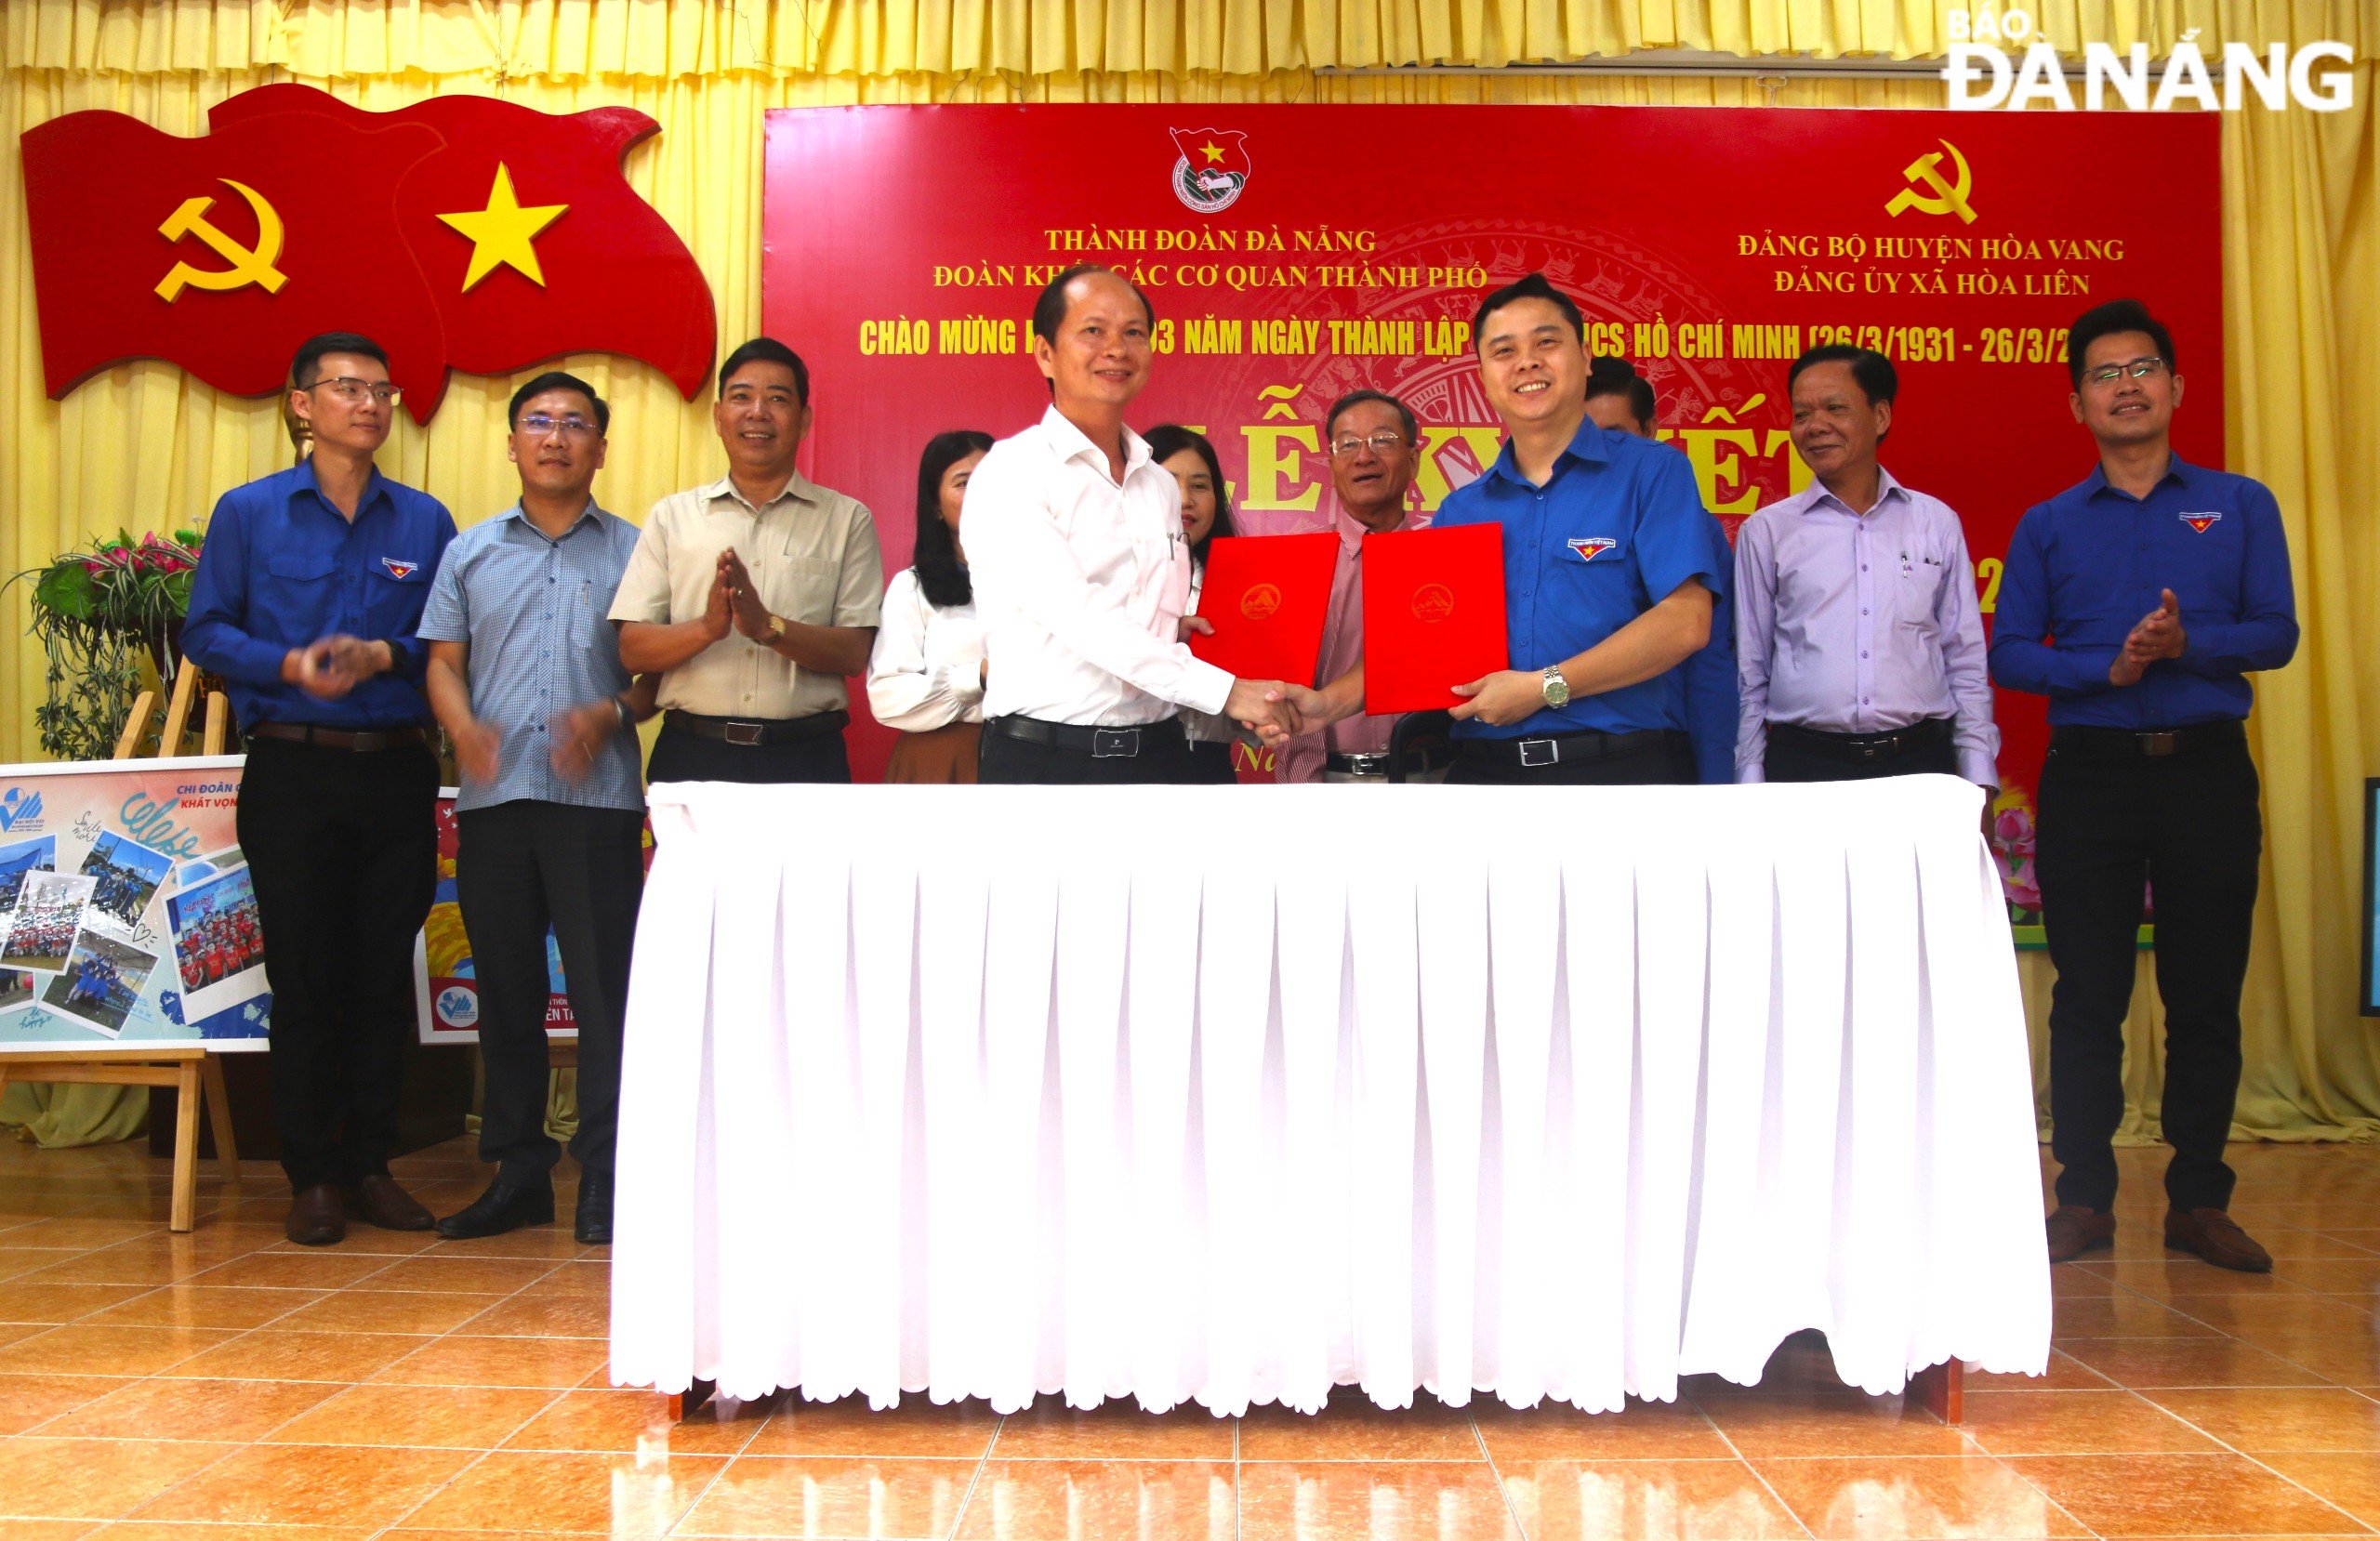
column 144, row 447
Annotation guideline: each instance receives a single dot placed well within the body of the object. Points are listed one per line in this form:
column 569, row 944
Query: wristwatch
column 775, row 632
column 1557, row 690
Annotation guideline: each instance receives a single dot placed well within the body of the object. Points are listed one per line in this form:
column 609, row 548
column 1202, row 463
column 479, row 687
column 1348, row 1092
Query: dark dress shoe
column 2074, row 1231
column 593, row 1226
column 2214, row 1236
column 316, row 1216
column 505, row 1206
column 378, row 1201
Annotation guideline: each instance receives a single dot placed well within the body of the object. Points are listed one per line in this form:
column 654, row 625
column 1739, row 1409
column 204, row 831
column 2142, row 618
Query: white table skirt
column 1229, row 1095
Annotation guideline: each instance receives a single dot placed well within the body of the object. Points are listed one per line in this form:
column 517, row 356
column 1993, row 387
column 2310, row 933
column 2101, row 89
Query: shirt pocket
column 802, row 589
column 303, row 596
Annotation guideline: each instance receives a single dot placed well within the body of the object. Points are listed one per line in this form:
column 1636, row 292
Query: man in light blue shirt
column 526, row 675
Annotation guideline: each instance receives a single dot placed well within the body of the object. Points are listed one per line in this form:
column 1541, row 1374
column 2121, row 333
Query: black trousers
column 2188, row 824
column 1165, row 760
column 678, row 756
column 1211, row 763
column 519, row 867
column 1655, row 765
column 343, row 850
column 1789, row 760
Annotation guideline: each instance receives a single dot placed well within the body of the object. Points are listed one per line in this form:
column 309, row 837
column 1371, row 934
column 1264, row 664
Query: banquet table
column 1230, row 1096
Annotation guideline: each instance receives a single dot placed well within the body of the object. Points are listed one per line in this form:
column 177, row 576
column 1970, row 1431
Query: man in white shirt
column 753, row 597
column 1081, row 577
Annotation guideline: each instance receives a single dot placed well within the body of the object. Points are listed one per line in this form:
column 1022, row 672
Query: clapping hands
column 2158, row 635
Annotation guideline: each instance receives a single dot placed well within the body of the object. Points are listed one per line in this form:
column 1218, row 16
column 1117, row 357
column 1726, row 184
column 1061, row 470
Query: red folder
column 1267, row 598
column 1433, row 615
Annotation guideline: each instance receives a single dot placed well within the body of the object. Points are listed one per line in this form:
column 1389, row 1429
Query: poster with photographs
column 127, row 910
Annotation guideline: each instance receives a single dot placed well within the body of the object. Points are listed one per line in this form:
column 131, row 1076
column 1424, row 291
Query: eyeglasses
column 347, row 388
column 1385, row 442
column 538, row 425
column 2139, row 369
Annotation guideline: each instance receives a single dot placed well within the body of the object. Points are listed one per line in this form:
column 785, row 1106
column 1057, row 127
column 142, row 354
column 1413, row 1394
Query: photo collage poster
column 127, row 914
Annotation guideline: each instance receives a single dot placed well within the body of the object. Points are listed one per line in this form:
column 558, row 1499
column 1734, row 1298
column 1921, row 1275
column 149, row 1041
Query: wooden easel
column 189, row 1068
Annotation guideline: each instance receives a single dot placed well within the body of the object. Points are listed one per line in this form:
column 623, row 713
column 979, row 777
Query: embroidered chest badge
column 400, row 571
column 1590, row 547
column 2200, row 522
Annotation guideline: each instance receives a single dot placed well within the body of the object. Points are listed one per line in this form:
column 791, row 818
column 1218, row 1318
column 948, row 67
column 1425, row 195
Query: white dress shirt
column 926, row 668
column 1081, row 583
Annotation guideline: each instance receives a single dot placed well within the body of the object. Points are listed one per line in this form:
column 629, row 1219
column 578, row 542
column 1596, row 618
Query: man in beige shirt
column 753, row 597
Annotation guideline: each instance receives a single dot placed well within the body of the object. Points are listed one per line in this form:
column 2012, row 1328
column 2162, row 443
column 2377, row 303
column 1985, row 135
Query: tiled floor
column 224, row 1386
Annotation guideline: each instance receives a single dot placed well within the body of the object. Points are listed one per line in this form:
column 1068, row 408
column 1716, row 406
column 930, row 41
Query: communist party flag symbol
column 461, row 233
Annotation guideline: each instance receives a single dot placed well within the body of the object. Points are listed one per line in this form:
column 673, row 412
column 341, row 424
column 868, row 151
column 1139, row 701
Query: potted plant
column 103, row 616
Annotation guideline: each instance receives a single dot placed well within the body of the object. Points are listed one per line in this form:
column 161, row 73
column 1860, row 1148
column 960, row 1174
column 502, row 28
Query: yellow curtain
column 145, row 447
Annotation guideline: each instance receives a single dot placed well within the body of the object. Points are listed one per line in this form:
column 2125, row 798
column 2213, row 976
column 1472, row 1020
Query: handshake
column 2158, row 635
column 1276, row 711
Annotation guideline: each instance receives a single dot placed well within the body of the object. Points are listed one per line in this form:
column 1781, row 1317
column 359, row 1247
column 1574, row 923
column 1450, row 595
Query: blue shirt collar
column 591, row 514
column 1587, row 444
column 2176, row 470
column 374, row 488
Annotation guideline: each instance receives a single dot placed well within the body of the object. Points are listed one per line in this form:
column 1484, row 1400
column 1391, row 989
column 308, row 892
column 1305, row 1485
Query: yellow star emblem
column 1213, row 152
column 503, row 233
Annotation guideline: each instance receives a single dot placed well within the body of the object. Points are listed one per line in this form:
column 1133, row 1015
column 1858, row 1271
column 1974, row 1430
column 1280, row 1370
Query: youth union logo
column 1212, row 169
column 1260, row 602
column 1433, row 602
column 458, row 1006
column 19, row 810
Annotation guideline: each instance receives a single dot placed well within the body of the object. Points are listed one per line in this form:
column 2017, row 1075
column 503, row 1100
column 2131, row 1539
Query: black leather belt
column 1535, row 754
column 1376, row 765
column 356, row 741
column 2124, row 743
column 751, row 735
column 1933, row 732
column 1098, row 743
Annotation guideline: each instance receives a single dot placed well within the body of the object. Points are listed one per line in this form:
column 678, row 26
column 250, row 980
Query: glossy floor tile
column 225, row 1386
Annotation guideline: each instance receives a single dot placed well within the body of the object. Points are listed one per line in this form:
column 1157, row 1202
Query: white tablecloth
column 1229, row 1095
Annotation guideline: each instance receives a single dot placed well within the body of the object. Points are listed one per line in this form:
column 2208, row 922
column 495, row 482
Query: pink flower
column 2013, row 826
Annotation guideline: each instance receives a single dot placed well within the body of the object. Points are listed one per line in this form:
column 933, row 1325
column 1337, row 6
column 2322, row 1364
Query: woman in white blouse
column 1206, row 513
column 925, row 677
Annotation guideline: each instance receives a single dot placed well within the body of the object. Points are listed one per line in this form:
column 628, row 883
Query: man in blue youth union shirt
column 2139, row 600
column 524, row 673
column 1609, row 576
column 307, row 599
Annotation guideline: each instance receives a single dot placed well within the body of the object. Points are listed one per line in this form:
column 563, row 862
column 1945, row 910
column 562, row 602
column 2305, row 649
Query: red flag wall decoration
column 461, row 233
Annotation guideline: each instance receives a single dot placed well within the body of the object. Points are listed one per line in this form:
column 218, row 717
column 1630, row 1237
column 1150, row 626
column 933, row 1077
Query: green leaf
column 67, row 588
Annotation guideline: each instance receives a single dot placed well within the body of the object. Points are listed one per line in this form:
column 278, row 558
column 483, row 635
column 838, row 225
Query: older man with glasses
column 525, row 672
column 307, row 601
column 2139, row 600
column 1375, row 447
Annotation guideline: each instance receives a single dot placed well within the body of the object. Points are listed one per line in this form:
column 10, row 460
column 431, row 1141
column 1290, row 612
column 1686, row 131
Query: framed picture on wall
column 2371, row 1003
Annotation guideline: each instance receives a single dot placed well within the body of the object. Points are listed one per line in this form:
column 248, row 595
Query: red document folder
column 1433, row 615
column 1267, row 598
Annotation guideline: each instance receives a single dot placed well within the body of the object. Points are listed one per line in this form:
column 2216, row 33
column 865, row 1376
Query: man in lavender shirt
column 1375, row 447
column 1859, row 646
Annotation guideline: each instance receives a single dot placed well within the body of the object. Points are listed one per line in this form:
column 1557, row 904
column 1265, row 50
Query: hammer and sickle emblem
column 248, row 265
column 1948, row 197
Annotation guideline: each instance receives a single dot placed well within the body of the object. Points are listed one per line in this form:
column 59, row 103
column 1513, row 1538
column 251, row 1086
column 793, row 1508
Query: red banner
column 462, row 231
column 1298, row 252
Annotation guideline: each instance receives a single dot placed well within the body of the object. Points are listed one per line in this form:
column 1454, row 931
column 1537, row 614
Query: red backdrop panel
column 1321, row 248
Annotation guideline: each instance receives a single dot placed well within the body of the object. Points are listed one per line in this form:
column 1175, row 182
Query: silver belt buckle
column 1115, row 743
column 1536, row 752
column 748, row 735
column 1367, row 765
column 2157, row 745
